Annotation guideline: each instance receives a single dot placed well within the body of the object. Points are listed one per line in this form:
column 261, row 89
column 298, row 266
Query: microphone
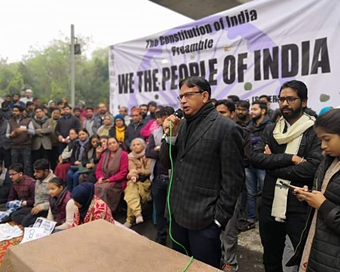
column 179, row 114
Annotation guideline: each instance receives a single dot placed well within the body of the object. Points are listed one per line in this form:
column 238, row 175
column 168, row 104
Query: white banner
column 247, row 51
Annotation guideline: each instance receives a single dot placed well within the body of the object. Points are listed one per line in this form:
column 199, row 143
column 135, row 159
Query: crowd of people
column 76, row 165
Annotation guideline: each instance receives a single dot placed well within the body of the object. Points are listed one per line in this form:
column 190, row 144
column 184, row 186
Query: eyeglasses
column 289, row 99
column 13, row 174
column 187, row 95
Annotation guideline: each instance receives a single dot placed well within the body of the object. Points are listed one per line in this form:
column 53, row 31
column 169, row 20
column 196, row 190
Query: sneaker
column 139, row 219
column 127, row 224
column 229, row 267
column 246, row 226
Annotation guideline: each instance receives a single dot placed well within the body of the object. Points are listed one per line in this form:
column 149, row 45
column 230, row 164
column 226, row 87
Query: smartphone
column 292, row 186
column 288, row 185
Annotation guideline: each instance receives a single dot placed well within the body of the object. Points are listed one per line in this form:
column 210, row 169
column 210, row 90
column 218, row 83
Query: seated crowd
column 78, row 166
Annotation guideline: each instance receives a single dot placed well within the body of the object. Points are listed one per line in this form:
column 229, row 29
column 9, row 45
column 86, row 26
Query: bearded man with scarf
column 41, row 140
column 290, row 152
column 208, row 171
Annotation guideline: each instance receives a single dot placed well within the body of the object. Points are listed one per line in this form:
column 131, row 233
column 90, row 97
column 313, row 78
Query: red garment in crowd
column 98, row 210
column 61, row 170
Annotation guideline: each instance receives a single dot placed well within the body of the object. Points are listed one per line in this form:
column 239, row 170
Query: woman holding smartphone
column 322, row 248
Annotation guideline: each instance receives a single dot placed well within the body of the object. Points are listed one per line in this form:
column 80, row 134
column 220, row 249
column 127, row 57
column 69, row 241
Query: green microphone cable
column 168, row 201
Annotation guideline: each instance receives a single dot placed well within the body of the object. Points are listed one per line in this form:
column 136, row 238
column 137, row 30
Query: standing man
column 229, row 237
column 28, row 96
column 41, row 141
column 208, row 172
column 54, row 154
column 133, row 130
column 88, row 124
column 99, row 117
column 152, row 106
column 266, row 99
column 19, row 131
column 124, row 112
column 143, row 110
column 5, row 145
column 64, row 125
column 290, row 152
column 242, row 116
column 16, row 101
column 254, row 177
column 159, row 176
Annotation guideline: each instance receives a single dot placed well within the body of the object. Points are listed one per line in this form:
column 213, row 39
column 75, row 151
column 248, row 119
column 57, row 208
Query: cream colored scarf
column 331, row 171
column 292, row 138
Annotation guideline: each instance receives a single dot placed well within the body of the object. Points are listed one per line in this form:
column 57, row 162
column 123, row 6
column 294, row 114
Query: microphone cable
column 168, row 202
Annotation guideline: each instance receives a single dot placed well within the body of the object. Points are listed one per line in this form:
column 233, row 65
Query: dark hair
column 265, row 96
column 94, row 136
column 158, row 114
column 57, row 181
column 310, row 112
column 74, row 129
column 196, row 81
column 213, row 100
column 17, row 167
column 40, row 107
column 21, row 109
column 76, row 109
column 16, row 94
column 84, row 130
column 277, row 113
column 56, row 109
column 60, row 102
column 298, row 86
column 35, row 99
column 143, row 105
column 41, row 164
column 89, row 108
column 234, row 98
column 8, row 95
column 329, row 122
column 103, row 137
column 29, row 103
column 121, row 145
column 243, row 104
column 226, row 102
column 167, row 111
column 67, row 106
column 262, row 105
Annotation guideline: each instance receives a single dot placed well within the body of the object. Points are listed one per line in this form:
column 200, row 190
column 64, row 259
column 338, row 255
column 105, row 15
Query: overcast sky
column 37, row 22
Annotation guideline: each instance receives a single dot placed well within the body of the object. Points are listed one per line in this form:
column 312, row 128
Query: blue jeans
column 253, row 177
column 72, row 179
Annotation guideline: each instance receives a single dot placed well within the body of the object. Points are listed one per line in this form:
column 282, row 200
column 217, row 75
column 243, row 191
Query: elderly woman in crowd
column 88, row 206
column 107, row 125
column 138, row 188
column 111, row 174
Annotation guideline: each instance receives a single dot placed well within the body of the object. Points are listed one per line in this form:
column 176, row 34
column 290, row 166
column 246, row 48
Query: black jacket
column 76, row 150
column 133, row 132
column 65, row 124
column 280, row 165
column 325, row 251
column 5, row 188
column 112, row 133
column 208, row 172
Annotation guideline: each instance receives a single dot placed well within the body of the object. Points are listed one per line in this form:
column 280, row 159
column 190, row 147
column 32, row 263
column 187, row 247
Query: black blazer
column 208, row 172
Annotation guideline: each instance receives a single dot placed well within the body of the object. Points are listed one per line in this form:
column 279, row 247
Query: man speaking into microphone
column 208, row 171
